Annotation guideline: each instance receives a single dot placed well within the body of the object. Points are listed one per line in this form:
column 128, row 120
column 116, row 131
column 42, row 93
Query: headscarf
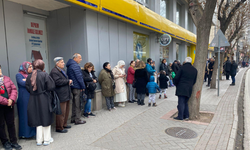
column 23, row 68
column 120, row 63
column 38, row 65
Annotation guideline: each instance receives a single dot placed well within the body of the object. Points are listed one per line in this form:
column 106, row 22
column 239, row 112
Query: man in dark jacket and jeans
column 74, row 73
column 228, row 68
column 233, row 72
column 184, row 81
column 210, row 71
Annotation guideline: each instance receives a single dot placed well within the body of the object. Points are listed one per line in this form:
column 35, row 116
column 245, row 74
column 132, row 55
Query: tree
column 227, row 10
column 202, row 14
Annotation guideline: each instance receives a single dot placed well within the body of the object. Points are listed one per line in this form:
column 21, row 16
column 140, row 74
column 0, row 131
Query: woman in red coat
column 8, row 96
column 130, row 79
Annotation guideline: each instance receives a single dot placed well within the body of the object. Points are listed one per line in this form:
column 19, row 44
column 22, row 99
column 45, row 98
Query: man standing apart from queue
column 184, row 81
column 75, row 74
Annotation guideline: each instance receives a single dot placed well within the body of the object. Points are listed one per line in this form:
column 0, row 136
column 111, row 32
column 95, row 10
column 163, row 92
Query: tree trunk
column 203, row 31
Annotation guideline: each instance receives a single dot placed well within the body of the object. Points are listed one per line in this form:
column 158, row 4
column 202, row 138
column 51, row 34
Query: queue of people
column 36, row 87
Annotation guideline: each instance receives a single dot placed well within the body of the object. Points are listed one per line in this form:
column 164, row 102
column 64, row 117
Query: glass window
column 141, row 46
column 190, row 23
column 178, row 12
column 188, row 51
column 163, row 9
column 143, row 2
column 164, row 53
column 177, row 51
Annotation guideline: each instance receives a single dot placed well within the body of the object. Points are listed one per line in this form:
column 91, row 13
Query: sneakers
column 39, row 144
column 62, row 131
column 86, row 115
column 139, row 102
column 165, row 96
column 7, row 146
column 233, row 84
column 91, row 114
column 142, row 102
column 149, row 104
column 131, row 101
column 160, row 96
column 114, row 108
column 154, row 105
column 49, row 142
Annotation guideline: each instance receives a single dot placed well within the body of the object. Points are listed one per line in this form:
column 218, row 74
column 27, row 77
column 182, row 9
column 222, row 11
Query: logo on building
column 165, row 40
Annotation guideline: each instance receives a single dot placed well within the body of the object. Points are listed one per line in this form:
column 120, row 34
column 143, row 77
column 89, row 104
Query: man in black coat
column 63, row 92
column 228, row 68
column 184, row 81
column 233, row 72
column 210, row 71
column 175, row 67
column 206, row 71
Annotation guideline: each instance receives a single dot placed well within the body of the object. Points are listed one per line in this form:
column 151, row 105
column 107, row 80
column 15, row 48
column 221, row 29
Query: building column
column 172, row 51
column 184, row 16
column 183, row 51
column 172, row 10
column 154, row 50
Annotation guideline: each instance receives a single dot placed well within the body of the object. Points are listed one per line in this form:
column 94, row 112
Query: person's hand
column 121, row 76
column 94, row 81
column 9, row 102
column 82, row 90
column 70, row 81
column 211, row 69
column 24, row 79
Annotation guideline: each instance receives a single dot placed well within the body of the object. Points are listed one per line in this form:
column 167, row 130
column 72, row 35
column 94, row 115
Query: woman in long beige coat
column 120, row 79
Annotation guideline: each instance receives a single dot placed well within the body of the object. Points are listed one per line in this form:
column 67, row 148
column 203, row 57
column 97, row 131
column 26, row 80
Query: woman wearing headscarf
column 63, row 92
column 25, row 131
column 40, row 84
column 8, row 96
column 106, row 80
column 120, row 79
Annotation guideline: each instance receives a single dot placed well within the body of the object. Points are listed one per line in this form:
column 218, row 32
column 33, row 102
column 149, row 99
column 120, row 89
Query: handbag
column 55, row 104
column 91, row 86
column 134, row 84
column 173, row 74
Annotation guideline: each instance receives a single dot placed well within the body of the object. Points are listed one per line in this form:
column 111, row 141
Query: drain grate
column 183, row 133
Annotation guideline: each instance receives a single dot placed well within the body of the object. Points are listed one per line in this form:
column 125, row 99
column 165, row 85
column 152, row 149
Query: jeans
column 140, row 96
column 87, row 108
column 171, row 82
column 182, row 107
column 110, row 102
column 76, row 110
column 7, row 115
column 131, row 92
column 233, row 79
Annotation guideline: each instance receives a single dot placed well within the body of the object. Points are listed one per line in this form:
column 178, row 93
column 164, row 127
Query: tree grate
column 183, row 133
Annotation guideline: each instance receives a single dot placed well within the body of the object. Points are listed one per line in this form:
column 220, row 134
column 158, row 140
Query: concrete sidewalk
column 141, row 127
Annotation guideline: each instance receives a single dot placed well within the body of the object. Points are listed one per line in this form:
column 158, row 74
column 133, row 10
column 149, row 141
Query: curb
column 246, row 114
column 233, row 134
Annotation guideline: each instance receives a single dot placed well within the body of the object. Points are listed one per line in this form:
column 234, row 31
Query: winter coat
column 175, row 68
column 228, row 66
column 141, row 79
column 211, row 66
column 11, row 89
column 233, row 70
column 119, row 82
column 62, row 89
column 74, row 73
column 39, row 106
column 164, row 67
column 163, row 79
column 150, row 70
column 152, row 86
column 131, row 74
column 185, row 79
column 105, row 81
column 87, row 79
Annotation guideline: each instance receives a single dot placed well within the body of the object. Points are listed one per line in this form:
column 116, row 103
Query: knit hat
column 57, row 59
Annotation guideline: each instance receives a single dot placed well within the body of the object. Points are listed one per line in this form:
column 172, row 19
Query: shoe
column 49, row 142
column 91, row 114
column 86, row 115
column 80, row 122
column 165, row 96
column 67, row 127
column 176, row 118
column 142, row 102
column 131, row 101
column 72, row 121
column 208, row 85
column 39, row 144
column 7, row 146
column 16, row 146
column 134, row 100
column 139, row 102
column 186, row 119
column 114, row 108
column 149, row 104
column 233, row 84
column 154, row 105
column 159, row 96
column 109, row 109
column 62, row 131
column 120, row 105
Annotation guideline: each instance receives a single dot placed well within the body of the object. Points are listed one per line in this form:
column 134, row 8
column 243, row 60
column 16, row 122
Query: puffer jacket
column 152, row 86
column 74, row 73
column 150, row 69
column 12, row 92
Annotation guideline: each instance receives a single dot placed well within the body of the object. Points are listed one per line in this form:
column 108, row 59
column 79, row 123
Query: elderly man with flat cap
column 63, row 92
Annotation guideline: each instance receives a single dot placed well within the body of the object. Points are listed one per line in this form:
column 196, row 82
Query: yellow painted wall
column 193, row 50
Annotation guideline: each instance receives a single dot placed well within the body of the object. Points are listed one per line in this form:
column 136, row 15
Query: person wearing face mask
column 25, row 131
column 120, row 79
column 8, row 96
column 63, row 92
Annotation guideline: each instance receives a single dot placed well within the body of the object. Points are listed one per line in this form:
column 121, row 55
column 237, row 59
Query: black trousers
column 209, row 77
column 205, row 77
column 227, row 75
column 182, row 107
column 7, row 115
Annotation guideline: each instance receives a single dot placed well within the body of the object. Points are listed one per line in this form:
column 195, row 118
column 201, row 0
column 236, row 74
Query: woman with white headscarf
column 120, row 79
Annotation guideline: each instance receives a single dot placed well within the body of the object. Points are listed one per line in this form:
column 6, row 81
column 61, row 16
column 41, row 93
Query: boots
column 149, row 104
column 142, row 102
column 165, row 96
column 154, row 105
column 160, row 96
column 139, row 102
